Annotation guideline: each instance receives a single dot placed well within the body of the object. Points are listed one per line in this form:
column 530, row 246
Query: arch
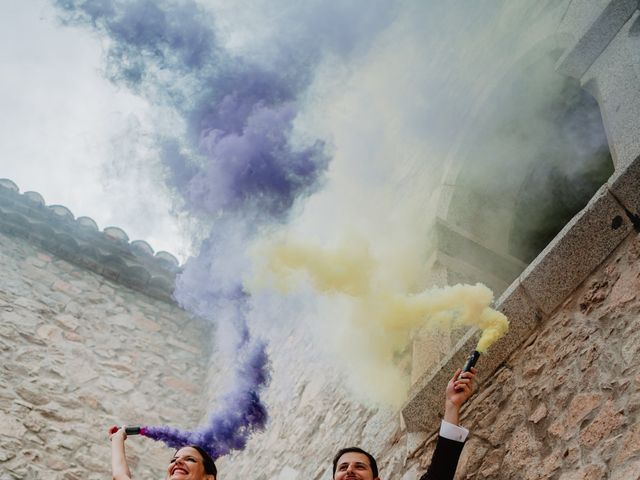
column 523, row 144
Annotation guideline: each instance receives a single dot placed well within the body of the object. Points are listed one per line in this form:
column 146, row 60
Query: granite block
column 624, row 184
column 423, row 409
column 459, row 244
column 524, row 317
column 576, row 251
column 425, row 405
column 614, row 79
column 586, row 30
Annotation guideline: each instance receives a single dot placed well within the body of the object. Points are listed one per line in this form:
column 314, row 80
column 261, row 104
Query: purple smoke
column 234, row 161
column 254, row 169
column 240, row 415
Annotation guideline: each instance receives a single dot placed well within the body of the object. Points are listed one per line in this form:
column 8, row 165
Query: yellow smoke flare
column 381, row 320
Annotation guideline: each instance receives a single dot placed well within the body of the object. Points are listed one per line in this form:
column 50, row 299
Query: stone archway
column 531, row 157
column 534, row 157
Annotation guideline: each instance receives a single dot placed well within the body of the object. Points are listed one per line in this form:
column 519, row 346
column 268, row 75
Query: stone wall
column 566, row 405
column 89, row 339
column 313, row 413
column 80, row 353
column 598, row 41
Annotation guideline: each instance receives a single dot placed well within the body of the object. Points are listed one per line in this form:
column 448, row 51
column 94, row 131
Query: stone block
column 429, row 346
column 521, row 448
column 624, row 185
column 581, row 405
column 626, row 472
column 614, row 79
column 68, row 322
column 539, row 414
column 423, row 409
column 576, row 251
column 608, row 419
column 424, row 406
column 523, row 316
column 33, row 393
column 11, row 426
column 459, row 245
column 49, row 332
column 586, row 30
column 630, row 446
column 415, row 441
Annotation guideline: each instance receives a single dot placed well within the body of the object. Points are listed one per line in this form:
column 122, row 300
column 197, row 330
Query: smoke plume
column 381, row 318
column 224, row 133
column 317, row 118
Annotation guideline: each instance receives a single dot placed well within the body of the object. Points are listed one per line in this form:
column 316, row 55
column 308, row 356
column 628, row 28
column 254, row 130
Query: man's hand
column 458, row 391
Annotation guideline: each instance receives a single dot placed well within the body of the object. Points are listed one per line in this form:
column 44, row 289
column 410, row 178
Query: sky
column 385, row 94
column 73, row 136
column 85, row 142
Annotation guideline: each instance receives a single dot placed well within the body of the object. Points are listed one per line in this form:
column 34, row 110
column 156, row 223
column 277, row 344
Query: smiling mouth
column 179, row 470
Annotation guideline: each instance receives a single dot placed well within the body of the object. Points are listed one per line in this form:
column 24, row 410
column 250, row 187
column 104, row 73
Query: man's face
column 353, row 466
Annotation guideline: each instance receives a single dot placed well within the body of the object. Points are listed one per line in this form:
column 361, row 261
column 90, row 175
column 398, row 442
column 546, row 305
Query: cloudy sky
column 384, row 87
column 83, row 142
column 86, row 143
column 71, row 135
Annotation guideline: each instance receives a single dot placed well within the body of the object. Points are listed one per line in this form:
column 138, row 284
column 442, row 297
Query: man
column 353, row 463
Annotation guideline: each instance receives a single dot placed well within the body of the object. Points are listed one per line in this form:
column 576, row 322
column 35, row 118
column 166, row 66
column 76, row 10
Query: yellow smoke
column 381, row 320
column 347, row 270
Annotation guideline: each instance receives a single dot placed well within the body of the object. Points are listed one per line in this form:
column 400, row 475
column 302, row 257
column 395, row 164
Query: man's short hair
column 372, row 461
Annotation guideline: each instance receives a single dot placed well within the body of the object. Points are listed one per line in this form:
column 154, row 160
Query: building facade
column 90, row 336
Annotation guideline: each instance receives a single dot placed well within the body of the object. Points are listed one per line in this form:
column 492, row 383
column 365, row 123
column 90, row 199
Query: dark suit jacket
column 444, row 461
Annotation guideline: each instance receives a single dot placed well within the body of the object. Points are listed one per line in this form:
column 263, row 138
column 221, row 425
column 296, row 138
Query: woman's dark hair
column 207, row 461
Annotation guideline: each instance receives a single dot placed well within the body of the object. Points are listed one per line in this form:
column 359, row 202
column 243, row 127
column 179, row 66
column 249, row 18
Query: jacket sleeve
column 444, row 460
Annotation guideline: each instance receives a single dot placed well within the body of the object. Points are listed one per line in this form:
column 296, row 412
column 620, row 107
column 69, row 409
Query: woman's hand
column 119, row 467
column 117, row 433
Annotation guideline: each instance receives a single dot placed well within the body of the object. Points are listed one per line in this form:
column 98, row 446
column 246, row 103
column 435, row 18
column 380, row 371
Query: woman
column 188, row 463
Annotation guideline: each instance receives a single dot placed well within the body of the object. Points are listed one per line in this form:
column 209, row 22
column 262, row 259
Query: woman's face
column 187, row 464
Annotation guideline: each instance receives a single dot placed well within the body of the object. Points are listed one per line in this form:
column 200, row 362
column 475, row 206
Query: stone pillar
column 603, row 52
column 458, row 258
